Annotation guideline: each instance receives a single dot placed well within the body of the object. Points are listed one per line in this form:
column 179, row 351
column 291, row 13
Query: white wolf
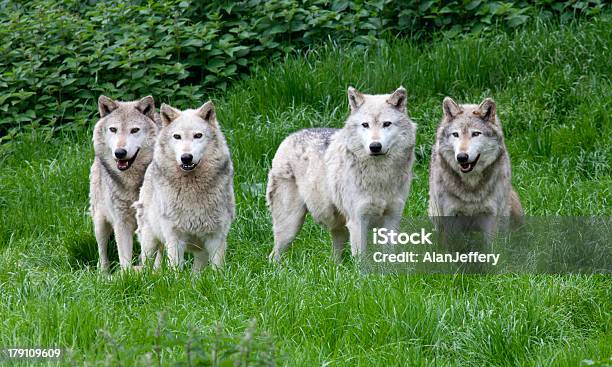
column 123, row 142
column 351, row 179
column 187, row 198
column 470, row 167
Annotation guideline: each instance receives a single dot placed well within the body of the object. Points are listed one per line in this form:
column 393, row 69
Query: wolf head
column 379, row 124
column 187, row 135
column 470, row 137
column 125, row 131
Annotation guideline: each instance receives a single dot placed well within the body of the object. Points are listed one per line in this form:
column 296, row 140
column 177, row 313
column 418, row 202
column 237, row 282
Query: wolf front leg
column 215, row 246
column 175, row 250
column 393, row 216
column 148, row 247
column 392, row 222
column 339, row 237
column 489, row 227
column 102, row 230
column 124, row 236
column 358, row 233
column 200, row 260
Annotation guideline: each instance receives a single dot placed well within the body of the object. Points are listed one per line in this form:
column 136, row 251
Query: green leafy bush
column 58, row 56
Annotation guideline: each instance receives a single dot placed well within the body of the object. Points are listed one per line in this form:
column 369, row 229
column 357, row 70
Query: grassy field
column 554, row 96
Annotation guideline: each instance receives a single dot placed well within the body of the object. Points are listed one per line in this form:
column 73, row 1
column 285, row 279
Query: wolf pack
column 167, row 177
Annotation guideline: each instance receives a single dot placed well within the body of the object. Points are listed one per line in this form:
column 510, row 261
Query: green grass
column 554, row 97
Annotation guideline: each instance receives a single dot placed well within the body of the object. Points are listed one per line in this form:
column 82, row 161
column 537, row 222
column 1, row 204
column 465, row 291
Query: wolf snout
column 120, row 153
column 186, row 158
column 375, row 147
column 462, row 157
column 187, row 163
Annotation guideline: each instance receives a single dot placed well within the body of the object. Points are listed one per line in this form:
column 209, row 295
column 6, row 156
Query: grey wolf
column 470, row 173
column 187, row 199
column 350, row 179
column 123, row 141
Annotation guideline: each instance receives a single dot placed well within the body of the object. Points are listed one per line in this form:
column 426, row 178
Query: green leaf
column 425, row 6
column 516, row 20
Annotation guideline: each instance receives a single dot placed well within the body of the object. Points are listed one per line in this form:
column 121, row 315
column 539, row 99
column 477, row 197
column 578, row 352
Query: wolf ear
column 146, row 106
column 451, row 108
column 355, row 98
column 398, row 99
column 106, row 105
column 207, row 113
column 168, row 114
column 486, row 110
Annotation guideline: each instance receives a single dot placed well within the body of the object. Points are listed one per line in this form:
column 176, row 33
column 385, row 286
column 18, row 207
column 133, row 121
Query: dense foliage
column 58, row 56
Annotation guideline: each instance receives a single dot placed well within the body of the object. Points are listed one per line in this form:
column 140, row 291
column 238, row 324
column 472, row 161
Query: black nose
column 375, row 147
column 186, row 158
column 462, row 157
column 120, row 153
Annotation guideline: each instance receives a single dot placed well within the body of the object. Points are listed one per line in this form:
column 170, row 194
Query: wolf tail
column 516, row 209
column 279, row 175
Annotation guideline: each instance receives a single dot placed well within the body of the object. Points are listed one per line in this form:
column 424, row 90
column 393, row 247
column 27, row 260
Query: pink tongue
column 122, row 164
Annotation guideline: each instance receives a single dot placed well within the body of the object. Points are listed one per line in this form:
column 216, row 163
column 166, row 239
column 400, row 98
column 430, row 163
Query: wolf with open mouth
column 123, row 140
column 470, row 173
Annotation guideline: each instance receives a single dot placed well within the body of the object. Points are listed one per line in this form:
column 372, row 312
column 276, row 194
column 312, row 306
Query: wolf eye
column 456, row 135
column 366, row 125
column 476, row 133
column 197, row 136
column 134, row 130
column 112, row 129
column 386, row 123
column 176, row 136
